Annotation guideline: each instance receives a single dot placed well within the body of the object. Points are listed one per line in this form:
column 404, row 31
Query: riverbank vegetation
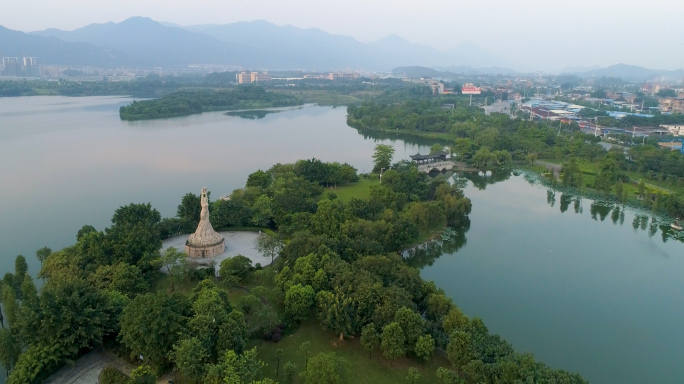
column 185, row 103
column 339, row 304
column 644, row 174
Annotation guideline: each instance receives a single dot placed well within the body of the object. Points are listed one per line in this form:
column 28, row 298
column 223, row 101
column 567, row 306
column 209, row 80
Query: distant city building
column 437, row 88
column 672, row 104
column 252, row 77
column 343, row 75
column 675, row 130
column 30, row 67
column 27, row 67
column 11, row 66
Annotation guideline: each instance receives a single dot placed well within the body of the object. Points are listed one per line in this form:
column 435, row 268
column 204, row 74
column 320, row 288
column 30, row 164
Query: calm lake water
column 583, row 290
column 588, row 295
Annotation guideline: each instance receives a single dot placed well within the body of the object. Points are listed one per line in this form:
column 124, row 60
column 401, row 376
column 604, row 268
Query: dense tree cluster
column 183, row 103
column 339, row 265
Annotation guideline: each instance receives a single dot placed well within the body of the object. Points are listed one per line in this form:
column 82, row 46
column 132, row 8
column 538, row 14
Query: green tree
column 289, row 369
column 412, row 375
column 336, row 311
column 370, row 338
column 233, row 333
column 436, row 148
column 393, row 341
column 9, row 349
column 455, row 320
column 29, row 294
column 269, row 245
column 447, row 376
column 572, row 174
column 264, row 319
column 234, row 368
column 459, row 349
column 176, row 265
column 279, row 355
column 482, row 159
column 262, row 211
column 190, row 208
column 42, row 254
column 619, row 190
column 235, row 269
column 425, row 347
column 142, row 375
column 305, row 349
column 121, row 277
column 150, row 327
column 259, row 179
column 324, row 368
column 382, row 157
column 189, row 357
column 298, row 301
column 86, row 229
column 607, row 174
column 9, row 301
column 412, row 324
column 20, row 270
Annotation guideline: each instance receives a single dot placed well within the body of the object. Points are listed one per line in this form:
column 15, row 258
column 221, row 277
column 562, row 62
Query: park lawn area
column 589, row 171
column 359, row 190
column 161, row 282
column 360, row 369
column 325, row 97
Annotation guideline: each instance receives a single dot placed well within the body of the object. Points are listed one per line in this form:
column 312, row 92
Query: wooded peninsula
column 184, row 103
column 339, row 304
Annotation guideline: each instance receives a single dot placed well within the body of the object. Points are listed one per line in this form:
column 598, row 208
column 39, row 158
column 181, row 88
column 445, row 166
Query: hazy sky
column 536, row 34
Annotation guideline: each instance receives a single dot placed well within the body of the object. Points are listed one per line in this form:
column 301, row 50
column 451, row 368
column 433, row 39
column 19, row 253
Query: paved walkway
column 87, row 368
column 237, row 243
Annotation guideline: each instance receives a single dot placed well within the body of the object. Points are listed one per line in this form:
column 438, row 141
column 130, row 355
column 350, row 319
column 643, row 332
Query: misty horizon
column 528, row 36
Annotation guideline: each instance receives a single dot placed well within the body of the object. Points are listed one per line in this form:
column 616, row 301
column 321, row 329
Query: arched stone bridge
column 439, row 166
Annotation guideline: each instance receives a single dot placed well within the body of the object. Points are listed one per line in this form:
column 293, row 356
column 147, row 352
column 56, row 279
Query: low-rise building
column 252, row 77
column 674, row 129
column 343, row 75
column 672, row 104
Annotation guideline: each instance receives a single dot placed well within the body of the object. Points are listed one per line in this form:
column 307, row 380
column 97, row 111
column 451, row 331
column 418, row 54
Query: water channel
column 581, row 286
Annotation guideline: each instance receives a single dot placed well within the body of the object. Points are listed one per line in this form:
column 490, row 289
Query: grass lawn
column 589, row 171
column 360, row 369
column 359, row 189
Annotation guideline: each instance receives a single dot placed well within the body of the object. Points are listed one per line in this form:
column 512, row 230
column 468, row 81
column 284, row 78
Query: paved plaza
column 237, row 243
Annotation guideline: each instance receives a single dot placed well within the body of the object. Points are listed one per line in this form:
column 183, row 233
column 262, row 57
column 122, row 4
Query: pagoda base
column 197, row 252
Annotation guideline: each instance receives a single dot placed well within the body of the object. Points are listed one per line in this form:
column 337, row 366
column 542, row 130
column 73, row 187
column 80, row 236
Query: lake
column 580, row 291
column 583, row 289
column 67, row 162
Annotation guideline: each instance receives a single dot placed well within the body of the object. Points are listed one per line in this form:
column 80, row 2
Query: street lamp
column 381, row 169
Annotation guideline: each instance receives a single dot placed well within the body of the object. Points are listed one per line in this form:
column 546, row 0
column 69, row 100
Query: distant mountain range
column 629, row 72
column 143, row 42
column 448, row 73
column 258, row 45
column 51, row 50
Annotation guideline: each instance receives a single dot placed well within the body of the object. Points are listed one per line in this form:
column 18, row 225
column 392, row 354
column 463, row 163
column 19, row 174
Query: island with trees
column 184, row 103
column 338, row 304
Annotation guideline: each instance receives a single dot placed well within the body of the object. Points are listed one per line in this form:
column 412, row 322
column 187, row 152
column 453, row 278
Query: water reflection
column 482, row 180
column 251, row 115
column 425, row 254
column 388, row 135
column 599, row 211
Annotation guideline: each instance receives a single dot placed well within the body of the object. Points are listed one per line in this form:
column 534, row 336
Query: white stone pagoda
column 205, row 242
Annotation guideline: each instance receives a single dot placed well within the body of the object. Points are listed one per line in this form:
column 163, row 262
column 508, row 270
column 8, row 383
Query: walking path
column 87, row 368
